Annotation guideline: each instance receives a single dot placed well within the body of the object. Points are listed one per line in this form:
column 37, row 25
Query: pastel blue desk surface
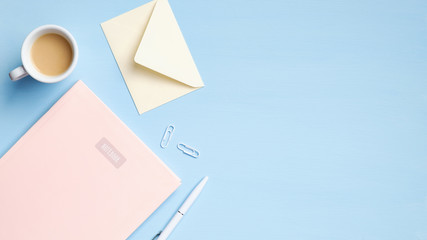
column 312, row 124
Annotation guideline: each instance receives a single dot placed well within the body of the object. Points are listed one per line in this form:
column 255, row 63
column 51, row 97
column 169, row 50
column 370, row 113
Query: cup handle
column 18, row 73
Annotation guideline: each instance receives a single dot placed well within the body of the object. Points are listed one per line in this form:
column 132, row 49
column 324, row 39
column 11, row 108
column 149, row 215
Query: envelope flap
column 164, row 50
column 135, row 20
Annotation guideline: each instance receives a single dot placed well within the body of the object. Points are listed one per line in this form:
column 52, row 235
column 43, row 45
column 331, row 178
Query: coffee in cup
column 51, row 54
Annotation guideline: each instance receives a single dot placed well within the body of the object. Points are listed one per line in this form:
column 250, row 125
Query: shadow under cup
column 27, row 59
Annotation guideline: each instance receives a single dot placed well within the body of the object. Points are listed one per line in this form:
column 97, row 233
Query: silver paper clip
column 167, row 136
column 188, row 150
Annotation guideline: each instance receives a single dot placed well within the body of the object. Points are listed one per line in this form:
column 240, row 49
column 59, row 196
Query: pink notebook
column 80, row 173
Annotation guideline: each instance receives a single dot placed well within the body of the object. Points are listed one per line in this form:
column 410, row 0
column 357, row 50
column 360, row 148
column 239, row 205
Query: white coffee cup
column 28, row 67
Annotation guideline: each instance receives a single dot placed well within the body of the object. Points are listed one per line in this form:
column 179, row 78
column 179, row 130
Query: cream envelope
column 152, row 55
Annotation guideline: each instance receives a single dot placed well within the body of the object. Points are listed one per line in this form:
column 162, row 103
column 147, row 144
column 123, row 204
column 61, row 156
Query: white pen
column 182, row 210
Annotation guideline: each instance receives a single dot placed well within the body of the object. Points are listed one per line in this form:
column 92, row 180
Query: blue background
column 312, row 124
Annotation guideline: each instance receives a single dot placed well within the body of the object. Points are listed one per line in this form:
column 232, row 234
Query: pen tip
column 203, row 181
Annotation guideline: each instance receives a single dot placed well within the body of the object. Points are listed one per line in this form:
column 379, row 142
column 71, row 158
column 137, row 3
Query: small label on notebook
column 110, row 152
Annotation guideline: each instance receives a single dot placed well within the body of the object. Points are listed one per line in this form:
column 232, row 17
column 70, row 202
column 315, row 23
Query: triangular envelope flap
column 163, row 48
column 135, row 19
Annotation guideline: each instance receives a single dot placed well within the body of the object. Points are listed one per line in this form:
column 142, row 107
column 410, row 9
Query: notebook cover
column 80, row 173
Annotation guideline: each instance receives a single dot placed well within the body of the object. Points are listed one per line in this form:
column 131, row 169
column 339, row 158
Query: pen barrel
column 171, row 226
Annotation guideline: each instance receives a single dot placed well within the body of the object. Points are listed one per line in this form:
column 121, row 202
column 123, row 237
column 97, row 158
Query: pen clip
column 157, row 235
